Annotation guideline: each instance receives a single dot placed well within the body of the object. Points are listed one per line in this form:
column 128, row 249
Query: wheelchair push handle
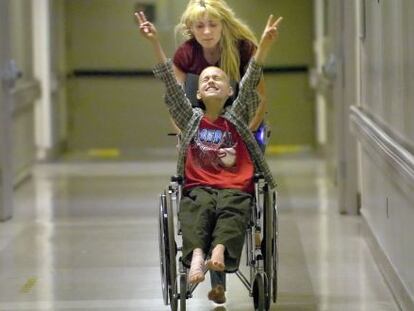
column 258, row 176
column 178, row 179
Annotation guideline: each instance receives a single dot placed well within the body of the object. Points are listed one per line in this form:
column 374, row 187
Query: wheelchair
column 261, row 240
column 261, row 247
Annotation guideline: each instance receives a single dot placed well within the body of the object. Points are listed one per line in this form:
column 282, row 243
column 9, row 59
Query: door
column 340, row 69
column 115, row 105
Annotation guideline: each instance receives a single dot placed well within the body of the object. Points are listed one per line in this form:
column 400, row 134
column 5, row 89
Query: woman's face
column 207, row 31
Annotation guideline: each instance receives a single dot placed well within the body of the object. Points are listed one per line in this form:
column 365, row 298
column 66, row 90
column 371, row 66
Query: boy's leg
column 197, row 217
column 218, row 287
column 233, row 214
column 218, row 278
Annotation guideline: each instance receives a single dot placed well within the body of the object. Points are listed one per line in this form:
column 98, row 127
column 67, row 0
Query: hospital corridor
column 91, row 210
column 84, row 237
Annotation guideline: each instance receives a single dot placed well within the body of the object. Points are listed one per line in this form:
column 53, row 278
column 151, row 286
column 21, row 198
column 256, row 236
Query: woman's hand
column 270, row 34
column 146, row 28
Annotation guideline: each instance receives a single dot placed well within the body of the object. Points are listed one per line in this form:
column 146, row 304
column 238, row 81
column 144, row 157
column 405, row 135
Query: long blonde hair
column 233, row 31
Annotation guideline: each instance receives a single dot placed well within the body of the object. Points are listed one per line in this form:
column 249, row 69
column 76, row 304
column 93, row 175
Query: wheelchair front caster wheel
column 183, row 292
column 173, row 301
column 261, row 297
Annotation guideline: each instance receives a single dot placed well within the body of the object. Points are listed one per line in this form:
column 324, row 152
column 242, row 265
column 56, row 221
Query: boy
column 218, row 156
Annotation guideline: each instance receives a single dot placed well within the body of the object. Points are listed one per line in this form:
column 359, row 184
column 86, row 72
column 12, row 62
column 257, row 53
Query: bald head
column 214, row 83
column 213, row 70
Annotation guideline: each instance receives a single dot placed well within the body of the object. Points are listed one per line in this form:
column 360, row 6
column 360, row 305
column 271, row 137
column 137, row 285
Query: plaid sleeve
column 248, row 99
column 177, row 102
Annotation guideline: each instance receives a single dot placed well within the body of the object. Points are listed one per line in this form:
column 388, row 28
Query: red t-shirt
column 189, row 56
column 218, row 157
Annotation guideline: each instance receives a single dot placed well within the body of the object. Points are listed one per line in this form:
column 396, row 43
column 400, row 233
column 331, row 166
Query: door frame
column 7, row 79
column 344, row 77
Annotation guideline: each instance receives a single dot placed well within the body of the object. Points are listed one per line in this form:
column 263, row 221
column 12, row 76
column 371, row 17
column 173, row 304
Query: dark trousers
column 214, row 216
column 217, row 278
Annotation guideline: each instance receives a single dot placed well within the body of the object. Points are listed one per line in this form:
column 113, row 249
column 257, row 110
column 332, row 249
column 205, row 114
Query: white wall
column 383, row 125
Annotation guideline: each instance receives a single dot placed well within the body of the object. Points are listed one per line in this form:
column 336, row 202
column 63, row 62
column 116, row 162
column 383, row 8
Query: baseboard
column 401, row 294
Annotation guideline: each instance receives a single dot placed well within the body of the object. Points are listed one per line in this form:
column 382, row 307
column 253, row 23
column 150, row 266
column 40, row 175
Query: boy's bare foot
column 217, row 294
column 216, row 261
column 196, row 273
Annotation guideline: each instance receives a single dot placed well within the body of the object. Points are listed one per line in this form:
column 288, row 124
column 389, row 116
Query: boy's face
column 214, row 84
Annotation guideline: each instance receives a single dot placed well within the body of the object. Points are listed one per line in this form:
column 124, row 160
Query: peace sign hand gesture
column 146, row 28
column 269, row 36
column 148, row 31
column 270, row 33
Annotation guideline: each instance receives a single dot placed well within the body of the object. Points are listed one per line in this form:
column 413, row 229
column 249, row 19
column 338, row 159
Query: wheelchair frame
column 261, row 246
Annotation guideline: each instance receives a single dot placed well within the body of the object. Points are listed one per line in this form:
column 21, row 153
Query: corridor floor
column 84, row 237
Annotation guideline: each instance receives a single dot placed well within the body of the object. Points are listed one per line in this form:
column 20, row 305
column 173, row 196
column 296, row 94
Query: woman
column 215, row 36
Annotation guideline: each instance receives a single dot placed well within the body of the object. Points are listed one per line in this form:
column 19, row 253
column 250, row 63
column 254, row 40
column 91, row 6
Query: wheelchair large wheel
column 172, row 250
column 268, row 243
column 167, row 250
column 163, row 249
column 260, row 293
column 275, row 250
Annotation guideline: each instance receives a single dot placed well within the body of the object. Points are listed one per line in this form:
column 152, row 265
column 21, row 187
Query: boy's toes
column 215, row 265
column 195, row 277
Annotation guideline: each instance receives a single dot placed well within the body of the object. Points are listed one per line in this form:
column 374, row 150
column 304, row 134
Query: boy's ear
column 231, row 91
column 198, row 95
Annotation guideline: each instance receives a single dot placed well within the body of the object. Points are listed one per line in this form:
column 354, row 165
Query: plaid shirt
column 239, row 114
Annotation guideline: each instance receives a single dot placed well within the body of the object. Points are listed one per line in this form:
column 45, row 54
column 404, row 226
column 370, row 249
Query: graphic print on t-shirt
column 218, row 157
column 215, row 148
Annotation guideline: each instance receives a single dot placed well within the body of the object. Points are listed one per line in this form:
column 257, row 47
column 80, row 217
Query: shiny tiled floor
column 84, row 237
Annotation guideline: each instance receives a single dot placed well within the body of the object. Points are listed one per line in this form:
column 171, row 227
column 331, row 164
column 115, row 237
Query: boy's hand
column 270, row 34
column 149, row 32
column 146, row 28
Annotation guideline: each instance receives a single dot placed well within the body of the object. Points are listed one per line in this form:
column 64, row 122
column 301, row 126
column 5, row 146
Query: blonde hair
column 233, row 31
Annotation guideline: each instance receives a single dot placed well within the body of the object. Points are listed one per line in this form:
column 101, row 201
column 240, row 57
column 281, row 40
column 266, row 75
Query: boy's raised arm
column 247, row 100
column 178, row 104
column 149, row 32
